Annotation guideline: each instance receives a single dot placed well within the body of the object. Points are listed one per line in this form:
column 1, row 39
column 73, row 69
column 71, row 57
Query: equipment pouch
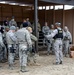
column 12, row 50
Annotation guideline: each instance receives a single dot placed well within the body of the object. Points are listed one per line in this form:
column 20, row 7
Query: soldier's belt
column 58, row 39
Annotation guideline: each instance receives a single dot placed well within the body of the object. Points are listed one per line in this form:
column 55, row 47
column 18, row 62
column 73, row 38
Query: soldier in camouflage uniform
column 11, row 41
column 2, row 49
column 32, row 54
column 67, row 40
column 25, row 42
column 39, row 28
column 17, row 45
column 46, row 31
column 13, row 22
column 57, row 34
column 52, row 40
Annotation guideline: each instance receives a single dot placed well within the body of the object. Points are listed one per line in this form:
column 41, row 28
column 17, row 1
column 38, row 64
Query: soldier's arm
column 1, row 40
column 13, row 37
column 64, row 35
column 70, row 37
column 15, row 24
column 34, row 38
column 52, row 34
column 43, row 29
column 29, row 23
column 39, row 26
column 28, row 38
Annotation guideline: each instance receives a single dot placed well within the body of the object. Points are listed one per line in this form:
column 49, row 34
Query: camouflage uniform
column 12, row 23
column 2, row 49
column 31, row 54
column 17, row 48
column 67, row 40
column 11, row 41
column 58, row 37
column 46, row 31
column 52, row 42
column 24, row 41
column 39, row 28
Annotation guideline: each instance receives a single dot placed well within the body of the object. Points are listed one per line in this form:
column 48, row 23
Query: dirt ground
column 46, row 67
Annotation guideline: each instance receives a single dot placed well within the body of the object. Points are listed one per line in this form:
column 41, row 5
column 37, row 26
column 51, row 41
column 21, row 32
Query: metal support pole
column 36, row 21
column 63, row 17
column 54, row 14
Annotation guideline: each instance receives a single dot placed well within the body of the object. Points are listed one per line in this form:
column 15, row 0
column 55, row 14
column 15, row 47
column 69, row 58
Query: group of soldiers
column 58, row 41
column 20, row 42
column 17, row 43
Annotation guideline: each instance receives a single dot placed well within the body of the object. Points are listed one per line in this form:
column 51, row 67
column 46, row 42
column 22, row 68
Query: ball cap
column 7, row 27
column 12, row 28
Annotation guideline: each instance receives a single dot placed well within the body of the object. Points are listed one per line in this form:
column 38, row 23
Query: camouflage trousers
column 66, row 47
column 3, row 53
column 23, row 55
column 58, row 50
column 11, row 54
column 31, row 57
column 17, row 51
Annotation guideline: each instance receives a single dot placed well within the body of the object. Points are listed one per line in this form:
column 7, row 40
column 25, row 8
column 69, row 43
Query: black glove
column 12, row 50
column 70, row 42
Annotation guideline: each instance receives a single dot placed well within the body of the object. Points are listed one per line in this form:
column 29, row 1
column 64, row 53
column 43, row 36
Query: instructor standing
column 57, row 34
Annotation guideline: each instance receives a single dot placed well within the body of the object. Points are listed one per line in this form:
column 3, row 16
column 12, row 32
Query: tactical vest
column 59, row 35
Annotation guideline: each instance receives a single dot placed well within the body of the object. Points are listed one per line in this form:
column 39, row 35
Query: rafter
column 70, row 2
column 43, row 2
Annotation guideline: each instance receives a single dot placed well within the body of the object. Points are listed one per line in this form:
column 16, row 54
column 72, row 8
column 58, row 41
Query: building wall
column 59, row 16
column 49, row 17
column 66, row 17
column 18, row 11
column 69, row 21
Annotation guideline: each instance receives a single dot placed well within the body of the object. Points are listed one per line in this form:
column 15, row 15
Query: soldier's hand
column 30, row 48
column 70, row 42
